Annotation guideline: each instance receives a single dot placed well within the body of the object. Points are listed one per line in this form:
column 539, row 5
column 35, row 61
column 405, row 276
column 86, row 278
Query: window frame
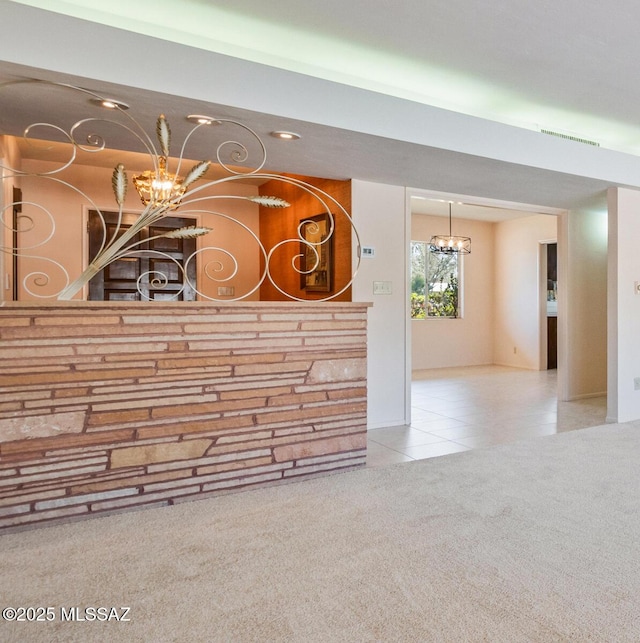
column 459, row 313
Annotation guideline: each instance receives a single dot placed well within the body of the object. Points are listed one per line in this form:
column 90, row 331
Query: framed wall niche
column 316, row 254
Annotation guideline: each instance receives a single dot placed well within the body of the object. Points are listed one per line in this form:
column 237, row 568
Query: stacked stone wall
column 110, row 406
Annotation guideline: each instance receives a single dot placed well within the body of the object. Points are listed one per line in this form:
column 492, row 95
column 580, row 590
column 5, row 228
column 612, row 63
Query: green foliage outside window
column 434, row 283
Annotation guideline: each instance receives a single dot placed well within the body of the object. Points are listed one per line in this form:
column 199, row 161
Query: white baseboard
column 586, row 396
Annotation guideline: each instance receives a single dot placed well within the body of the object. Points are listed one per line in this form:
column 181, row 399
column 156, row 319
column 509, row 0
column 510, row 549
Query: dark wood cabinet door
column 552, row 342
column 148, row 275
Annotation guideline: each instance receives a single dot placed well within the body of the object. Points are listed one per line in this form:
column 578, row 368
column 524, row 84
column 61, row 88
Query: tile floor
column 457, row 409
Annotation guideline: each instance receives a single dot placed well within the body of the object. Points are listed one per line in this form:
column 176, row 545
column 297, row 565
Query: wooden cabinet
column 552, row 342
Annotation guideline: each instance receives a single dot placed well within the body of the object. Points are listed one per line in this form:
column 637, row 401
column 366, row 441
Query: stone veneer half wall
column 109, row 406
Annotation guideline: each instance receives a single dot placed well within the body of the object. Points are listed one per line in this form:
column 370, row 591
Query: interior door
column 145, row 275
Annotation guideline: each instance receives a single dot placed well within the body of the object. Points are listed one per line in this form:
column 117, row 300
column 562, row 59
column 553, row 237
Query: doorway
column 502, row 321
column 552, row 305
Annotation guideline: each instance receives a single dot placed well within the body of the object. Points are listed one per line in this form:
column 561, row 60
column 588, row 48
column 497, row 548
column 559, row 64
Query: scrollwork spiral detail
column 213, row 263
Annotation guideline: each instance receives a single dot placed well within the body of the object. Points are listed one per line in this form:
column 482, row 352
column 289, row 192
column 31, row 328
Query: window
column 434, row 283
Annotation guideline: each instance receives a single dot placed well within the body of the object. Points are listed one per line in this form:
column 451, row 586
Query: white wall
column 467, row 341
column 379, row 212
column 517, row 298
column 517, row 302
column 624, row 305
column 583, row 270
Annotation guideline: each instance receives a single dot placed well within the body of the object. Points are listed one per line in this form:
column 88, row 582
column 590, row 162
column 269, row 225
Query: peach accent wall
column 68, row 210
column 111, row 406
column 10, row 157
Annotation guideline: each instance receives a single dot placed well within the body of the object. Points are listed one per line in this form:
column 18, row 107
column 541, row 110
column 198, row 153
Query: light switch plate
column 382, row 288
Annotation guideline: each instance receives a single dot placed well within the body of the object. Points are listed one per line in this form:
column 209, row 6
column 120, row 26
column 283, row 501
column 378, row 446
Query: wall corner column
column 623, row 306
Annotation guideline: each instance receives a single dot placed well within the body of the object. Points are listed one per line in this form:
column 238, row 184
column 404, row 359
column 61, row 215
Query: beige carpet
column 534, row 541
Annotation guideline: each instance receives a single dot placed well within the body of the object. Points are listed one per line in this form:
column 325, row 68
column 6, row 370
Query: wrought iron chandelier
column 450, row 244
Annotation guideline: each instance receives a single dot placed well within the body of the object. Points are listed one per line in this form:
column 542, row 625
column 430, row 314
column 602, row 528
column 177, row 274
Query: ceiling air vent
column 570, row 138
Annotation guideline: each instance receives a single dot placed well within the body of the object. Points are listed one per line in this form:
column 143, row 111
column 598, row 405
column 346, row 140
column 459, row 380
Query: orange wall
column 279, row 224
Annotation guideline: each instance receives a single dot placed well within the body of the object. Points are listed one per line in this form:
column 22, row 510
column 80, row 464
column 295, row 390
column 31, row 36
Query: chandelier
column 450, row 244
column 158, row 187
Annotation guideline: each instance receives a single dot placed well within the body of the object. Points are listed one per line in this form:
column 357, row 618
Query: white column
column 623, row 319
column 379, row 212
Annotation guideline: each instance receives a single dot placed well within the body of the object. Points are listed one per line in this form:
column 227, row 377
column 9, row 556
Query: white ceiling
column 565, row 66
column 469, row 210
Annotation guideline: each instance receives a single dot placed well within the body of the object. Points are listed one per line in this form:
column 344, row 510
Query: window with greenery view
column 434, row 283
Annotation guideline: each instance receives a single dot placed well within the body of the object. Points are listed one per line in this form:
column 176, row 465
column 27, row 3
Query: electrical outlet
column 636, row 287
column 636, row 383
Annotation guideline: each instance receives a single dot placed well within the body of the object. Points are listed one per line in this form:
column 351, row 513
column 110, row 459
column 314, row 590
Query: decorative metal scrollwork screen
column 173, row 183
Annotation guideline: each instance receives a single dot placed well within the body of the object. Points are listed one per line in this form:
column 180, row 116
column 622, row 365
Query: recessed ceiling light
column 109, row 103
column 201, row 119
column 286, row 136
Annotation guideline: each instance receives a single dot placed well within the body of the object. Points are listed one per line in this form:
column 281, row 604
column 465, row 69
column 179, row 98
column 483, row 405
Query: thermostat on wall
column 368, row 251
